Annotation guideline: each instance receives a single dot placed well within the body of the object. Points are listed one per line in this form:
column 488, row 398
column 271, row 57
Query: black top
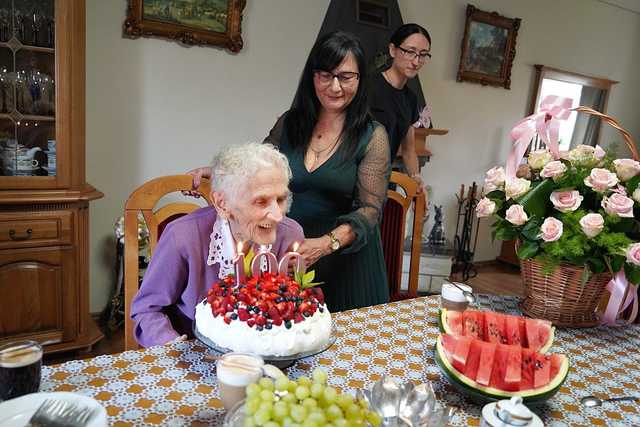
column 396, row 109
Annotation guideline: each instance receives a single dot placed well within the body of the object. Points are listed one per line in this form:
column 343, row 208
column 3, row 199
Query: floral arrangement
column 577, row 207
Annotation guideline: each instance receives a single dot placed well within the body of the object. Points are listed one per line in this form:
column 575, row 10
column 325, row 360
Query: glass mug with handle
column 20, row 369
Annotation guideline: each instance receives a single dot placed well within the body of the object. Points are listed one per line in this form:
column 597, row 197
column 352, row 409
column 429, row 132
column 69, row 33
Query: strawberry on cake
column 270, row 316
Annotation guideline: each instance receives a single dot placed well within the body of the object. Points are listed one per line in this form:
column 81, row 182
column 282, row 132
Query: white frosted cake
column 269, row 317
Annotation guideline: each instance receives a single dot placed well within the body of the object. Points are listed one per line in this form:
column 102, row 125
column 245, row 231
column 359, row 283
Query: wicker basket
column 560, row 296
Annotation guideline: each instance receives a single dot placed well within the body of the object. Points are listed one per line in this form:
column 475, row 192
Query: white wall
column 157, row 108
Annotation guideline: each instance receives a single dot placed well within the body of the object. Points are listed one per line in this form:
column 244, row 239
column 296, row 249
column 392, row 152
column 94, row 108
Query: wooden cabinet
column 44, row 198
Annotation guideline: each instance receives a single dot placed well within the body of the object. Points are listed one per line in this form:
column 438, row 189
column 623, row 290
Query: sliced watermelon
column 512, row 330
column 485, row 366
column 528, row 363
column 473, row 359
column 538, row 332
column 461, row 352
column 497, row 327
column 494, row 327
column 536, row 382
column 542, row 370
column 473, row 323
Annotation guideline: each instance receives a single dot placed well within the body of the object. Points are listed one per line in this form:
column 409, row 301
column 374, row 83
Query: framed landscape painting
column 488, row 48
column 191, row 22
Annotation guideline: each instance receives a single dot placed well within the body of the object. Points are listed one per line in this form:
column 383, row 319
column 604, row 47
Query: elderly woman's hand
column 197, row 174
column 314, row 249
column 177, row 339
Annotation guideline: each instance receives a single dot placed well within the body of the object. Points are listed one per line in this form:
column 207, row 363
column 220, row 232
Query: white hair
column 233, row 166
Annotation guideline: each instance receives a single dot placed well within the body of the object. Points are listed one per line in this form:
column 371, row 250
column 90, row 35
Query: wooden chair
column 143, row 200
column 392, row 231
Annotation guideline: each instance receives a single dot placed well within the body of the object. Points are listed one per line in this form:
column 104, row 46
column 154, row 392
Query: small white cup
column 452, row 298
column 235, row 371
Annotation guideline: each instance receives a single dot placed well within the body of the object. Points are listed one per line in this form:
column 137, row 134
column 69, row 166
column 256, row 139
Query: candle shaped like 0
column 272, row 261
column 283, row 267
column 238, row 264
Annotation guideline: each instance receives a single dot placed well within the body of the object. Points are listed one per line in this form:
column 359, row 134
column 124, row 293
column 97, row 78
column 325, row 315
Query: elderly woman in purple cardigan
column 250, row 196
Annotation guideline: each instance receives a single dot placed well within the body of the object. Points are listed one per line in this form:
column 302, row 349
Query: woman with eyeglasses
column 340, row 161
column 392, row 103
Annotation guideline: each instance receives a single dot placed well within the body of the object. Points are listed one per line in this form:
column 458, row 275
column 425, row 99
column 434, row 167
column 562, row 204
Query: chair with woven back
column 392, row 230
column 144, row 200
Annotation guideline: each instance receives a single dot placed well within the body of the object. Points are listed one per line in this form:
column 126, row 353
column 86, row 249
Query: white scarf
column 222, row 248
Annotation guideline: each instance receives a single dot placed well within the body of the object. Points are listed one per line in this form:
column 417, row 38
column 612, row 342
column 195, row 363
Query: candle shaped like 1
column 238, row 265
column 283, row 267
column 272, row 261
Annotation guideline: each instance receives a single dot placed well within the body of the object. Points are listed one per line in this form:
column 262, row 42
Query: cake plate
column 281, row 362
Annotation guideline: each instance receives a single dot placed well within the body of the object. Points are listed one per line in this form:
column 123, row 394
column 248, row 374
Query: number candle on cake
column 272, row 262
column 238, row 264
column 283, row 267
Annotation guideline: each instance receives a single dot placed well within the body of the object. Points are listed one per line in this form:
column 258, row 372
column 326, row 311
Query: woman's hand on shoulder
column 197, row 174
column 314, row 249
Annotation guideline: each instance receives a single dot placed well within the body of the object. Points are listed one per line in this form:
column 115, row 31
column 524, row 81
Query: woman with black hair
column 340, row 162
column 392, row 103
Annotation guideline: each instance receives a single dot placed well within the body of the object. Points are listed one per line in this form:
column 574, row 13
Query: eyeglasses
column 344, row 78
column 412, row 54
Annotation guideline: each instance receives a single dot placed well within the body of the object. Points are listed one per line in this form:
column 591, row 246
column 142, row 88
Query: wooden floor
column 493, row 278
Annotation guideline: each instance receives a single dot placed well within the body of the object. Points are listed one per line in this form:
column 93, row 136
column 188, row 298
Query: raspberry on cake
column 269, row 316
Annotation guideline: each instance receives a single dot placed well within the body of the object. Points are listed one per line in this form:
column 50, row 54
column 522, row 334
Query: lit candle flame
column 295, row 246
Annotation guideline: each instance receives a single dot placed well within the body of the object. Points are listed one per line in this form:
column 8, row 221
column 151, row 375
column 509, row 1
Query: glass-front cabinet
column 28, row 88
column 44, row 196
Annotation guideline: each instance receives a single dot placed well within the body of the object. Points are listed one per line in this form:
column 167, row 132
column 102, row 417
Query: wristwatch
column 335, row 243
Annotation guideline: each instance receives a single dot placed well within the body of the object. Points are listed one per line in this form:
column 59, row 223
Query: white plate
column 18, row 411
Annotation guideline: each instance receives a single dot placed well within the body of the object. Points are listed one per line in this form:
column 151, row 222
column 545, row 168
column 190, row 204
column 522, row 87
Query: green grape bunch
column 306, row 402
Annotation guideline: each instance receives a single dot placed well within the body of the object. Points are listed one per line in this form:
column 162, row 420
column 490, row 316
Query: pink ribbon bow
column 618, row 286
column 545, row 123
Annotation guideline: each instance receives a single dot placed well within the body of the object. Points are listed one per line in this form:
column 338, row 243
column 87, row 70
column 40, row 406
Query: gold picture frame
column 488, row 48
column 203, row 22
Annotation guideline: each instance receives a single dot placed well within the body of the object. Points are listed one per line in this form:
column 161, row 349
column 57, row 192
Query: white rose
column 566, row 201
column 494, row 179
column 553, row 169
column 618, row 205
column 516, row 187
column 592, row 224
column 539, row 158
column 636, row 195
column 582, row 155
column 551, row 229
column 486, row 207
column 626, row 168
column 516, row 215
column 601, row 180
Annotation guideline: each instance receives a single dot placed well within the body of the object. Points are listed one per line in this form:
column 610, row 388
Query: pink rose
column 592, row 224
column 553, row 169
column 516, row 215
column 633, row 254
column 494, row 179
column 551, row 229
column 618, row 205
column 626, row 168
column 599, row 153
column 566, row 201
column 486, row 207
column 601, row 180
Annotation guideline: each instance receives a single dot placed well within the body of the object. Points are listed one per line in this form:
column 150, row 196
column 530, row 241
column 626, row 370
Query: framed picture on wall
column 488, row 48
column 191, row 22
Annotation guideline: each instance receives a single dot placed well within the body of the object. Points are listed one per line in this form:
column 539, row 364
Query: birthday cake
column 269, row 316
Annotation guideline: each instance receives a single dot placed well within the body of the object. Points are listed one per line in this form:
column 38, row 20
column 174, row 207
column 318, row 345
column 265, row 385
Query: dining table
column 175, row 384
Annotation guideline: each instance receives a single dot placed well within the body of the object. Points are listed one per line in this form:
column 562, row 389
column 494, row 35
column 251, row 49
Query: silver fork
column 60, row 413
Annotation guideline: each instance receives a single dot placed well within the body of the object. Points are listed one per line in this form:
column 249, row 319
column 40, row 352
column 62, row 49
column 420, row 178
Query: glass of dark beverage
column 20, row 367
